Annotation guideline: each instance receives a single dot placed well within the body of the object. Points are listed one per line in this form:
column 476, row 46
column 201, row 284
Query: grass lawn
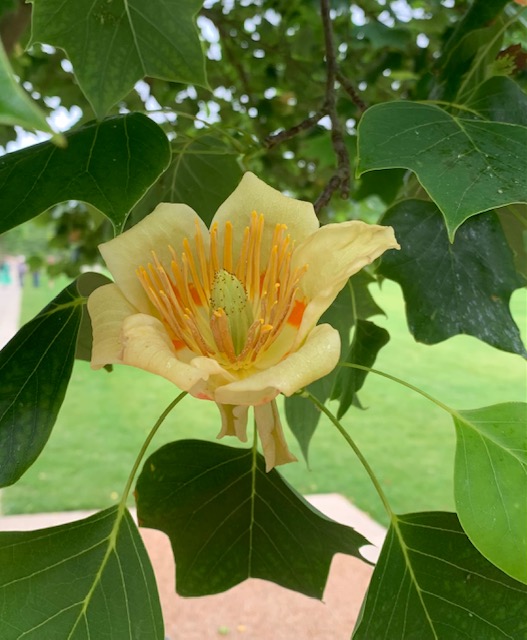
column 408, row 441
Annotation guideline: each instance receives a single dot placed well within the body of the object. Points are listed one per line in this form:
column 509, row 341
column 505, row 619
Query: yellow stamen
column 228, row 307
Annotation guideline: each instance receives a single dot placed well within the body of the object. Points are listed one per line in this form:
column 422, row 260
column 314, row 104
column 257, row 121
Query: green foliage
column 352, row 305
column 368, row 340
column 443, row 142
column 110, row 165
column 191, row 160
column 491, row 482
column 466, row 166
column 460, row 288
column 69, row 582
column 270, row 520
column 133, row 39
column 35, row 367
column 429, row 567
column 15, row 105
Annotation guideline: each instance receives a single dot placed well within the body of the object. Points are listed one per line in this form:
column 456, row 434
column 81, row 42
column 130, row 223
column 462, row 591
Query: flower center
column 227, row 309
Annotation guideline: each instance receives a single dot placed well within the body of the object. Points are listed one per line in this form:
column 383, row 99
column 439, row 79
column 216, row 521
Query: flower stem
column 321, row 407
column 146, row 444
column 437, row 402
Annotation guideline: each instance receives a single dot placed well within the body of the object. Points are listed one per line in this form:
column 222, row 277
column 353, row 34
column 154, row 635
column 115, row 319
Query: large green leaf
column 368, row 340
column 35, row 368
column 87, row 579
column 353, row 302
column 466, row 166
column 86, row 283
column 229, row 520
column 114, row 44
column 450, row 289
column 16, row 107
column 491, row 483
column 500, row 99
column 430, row 583
column 203, row 173
column 109, row 165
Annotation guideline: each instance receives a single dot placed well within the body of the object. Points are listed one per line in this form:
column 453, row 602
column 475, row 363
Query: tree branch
column 13, row 25
column 351, row 91
column 341, row 177
column 276, row 138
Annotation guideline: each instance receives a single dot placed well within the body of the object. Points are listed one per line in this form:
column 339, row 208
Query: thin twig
column 351, row 91
column 341, row 178
column 276, row 138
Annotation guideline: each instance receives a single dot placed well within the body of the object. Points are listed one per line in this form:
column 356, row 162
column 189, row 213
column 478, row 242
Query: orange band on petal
column 296, row 315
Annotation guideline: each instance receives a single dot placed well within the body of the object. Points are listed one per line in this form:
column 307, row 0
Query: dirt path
column 254, row 610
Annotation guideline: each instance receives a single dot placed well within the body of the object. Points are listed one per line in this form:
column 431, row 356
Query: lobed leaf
column 86, row 579
column 35, row 368
column 353, row 302
column 229, row 520
column 112, row 45
column 16, row 107
column 431, row 583
column 203, row 173
column 451, row 289
column 490, row 483
column 109, row 165
column 368, row 340
column 500, row 99
column 466, row 166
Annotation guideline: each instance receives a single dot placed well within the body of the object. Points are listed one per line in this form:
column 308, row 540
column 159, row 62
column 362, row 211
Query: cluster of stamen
column 227, row 309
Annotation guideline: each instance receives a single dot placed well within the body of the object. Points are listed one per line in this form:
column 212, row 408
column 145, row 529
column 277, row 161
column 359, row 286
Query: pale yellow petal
column 168, row 225
column 108, row 309
column 313, row 360
column 146, row 345
column 271, row 435
column 252, row 194
column 333, row 254
column 233, row 421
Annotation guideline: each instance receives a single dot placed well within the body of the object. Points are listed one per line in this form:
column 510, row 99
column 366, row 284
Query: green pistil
column 229, row 294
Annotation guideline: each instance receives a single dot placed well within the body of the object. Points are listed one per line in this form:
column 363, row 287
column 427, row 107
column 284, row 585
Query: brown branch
column 276, row 138
column 341, row 177
column 13, row 25
column 351, row 91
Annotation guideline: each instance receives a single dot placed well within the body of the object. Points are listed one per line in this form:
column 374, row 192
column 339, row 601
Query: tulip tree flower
column 230, row 314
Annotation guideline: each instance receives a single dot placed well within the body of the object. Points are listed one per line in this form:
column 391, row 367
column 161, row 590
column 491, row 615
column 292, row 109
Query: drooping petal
column 108, row 309
column 146, row 345
column 333, row 254
column 233, row 421
column 254, row 195
column 313, row 360
column 271, row 436
column 168, row 225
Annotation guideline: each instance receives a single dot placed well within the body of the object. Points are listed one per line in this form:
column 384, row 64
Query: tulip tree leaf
column 16, row 107
column 368, row 340
column 500, row 99
column 86, row 579
column 229, row 520
column 35, row 368
column 109, row 165
column 112, row 45
column 490, row 483
column 450, row 289
column 353, row 302
column 431, row 583
column 466, row 166
column 203, row 173
column 86, row 283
